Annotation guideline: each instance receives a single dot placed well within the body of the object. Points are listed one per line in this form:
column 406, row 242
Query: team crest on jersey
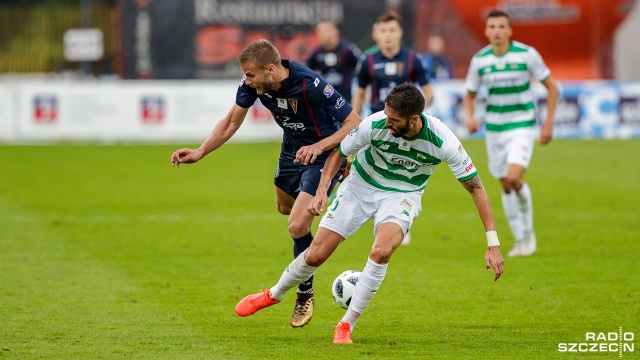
column 460, row 149
column 391, row 68
column 328, row 91
column 294, row 105
column 282, row 103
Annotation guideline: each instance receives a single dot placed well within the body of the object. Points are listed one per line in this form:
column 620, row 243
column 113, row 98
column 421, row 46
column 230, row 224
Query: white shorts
column 356, row 202
column 509, row 147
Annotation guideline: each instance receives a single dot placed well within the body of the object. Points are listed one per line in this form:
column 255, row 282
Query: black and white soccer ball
column 344, row 286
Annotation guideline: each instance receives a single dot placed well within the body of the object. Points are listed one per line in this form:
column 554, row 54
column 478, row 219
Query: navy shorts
column 294, row 178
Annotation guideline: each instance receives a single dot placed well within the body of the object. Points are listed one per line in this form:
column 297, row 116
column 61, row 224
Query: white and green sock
column 369, row 283
column 296, row 273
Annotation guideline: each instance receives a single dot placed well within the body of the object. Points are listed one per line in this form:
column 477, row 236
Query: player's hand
column 185, row 156
column 317, row 204
column 493, row 260
column 308, row 154
column 546, row 134
column 472, row 125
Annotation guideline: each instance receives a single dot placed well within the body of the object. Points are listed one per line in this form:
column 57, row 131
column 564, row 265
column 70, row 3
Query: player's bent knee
column 298, row 228
column 284, row 210
column 381, row 255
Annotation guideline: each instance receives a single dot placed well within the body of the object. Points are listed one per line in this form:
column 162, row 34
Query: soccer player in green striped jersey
column 397, row 150
column 506, row 68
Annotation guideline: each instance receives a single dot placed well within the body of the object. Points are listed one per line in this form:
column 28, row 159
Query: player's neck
column 390, row 52
column 280, row 74
column 501, row 49
column 415, row 129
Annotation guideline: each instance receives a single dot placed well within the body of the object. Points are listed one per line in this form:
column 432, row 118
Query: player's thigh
column 398, row 208
column 310, row 178
column 352, row 207
column 497, row 153
column 520, row 147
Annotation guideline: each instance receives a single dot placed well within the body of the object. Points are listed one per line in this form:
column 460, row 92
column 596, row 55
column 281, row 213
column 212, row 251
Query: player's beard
column 400, row 131
column 264, row 87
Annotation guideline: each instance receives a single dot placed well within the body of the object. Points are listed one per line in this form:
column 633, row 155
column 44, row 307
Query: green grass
column 108, row 252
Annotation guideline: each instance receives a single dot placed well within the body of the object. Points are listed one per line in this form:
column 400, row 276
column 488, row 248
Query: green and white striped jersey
column 507, row 78
column 404, row 164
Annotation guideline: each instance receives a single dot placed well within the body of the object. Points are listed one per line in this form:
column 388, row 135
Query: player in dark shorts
column 314, row 118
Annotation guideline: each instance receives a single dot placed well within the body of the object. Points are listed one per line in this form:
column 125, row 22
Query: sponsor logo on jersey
column 282, row 103
column 340, row 103
column 460, row 149
column 316, row 82
column 294, row 105
column 328, row 91
column 45, row 109
column 404, row 145
column 469, row 167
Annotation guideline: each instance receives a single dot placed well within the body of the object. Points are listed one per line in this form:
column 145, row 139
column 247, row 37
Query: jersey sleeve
column 362, row 71
column 354, row 55
column 357, row 138
column 538, row 68
column 312, row 63
column 457, row 158
column 245, row 96
column 472, row 81
column 321, row 95
column 420, row 74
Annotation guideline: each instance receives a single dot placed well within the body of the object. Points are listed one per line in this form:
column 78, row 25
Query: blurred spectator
column 335, row 58
column 437, row 62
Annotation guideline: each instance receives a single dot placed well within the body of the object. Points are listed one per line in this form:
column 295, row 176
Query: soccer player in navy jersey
column 335, row 58
column 391, row 65
column 306, row 107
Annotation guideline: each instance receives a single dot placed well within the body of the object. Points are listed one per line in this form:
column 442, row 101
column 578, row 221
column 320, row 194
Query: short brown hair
column 389, row 16
column 406, row 99
column 261, row 53
column 498, row 13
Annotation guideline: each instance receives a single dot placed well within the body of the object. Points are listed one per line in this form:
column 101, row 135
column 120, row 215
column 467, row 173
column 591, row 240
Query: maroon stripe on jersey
column 410, row 67
column 309, row 110
column 374, row 91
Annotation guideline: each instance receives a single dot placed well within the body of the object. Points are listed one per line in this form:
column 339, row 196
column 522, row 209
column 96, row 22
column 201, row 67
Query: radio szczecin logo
column 611, row 342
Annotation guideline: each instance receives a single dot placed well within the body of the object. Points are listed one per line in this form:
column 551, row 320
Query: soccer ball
column 344, row 286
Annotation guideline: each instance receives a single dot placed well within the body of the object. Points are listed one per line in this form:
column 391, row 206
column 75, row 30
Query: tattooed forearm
column 473, row 183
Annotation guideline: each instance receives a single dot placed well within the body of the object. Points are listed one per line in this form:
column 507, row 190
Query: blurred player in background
column 438, row 64
column 391, row 65
column 306, row 107
column 506, row 68
column 397, row 151
column 335, row 59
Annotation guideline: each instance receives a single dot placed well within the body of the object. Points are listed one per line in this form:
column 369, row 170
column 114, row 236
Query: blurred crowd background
column 200, row 39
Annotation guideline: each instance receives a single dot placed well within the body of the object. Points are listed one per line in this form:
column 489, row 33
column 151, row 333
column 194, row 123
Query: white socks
column 518, row 207
column 296, row 273
column 511, row 207
column 526, row 207
column 367, row 286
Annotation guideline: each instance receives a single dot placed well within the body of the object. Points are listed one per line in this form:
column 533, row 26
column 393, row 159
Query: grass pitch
column 109, row 252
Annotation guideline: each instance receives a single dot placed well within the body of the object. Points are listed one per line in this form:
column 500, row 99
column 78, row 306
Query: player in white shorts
column 506, row 67
column 397, row 150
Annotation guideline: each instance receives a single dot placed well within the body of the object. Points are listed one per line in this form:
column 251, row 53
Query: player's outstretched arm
column 220, row 134
column 493, row 256
column 331, row 167
column 308, row 154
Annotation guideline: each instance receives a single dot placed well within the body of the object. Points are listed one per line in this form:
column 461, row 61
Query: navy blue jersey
column 384, row 74
column 337, row 66
column 306, row 107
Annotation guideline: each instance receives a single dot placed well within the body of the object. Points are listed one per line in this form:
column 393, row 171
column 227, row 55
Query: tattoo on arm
column 473, row 183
